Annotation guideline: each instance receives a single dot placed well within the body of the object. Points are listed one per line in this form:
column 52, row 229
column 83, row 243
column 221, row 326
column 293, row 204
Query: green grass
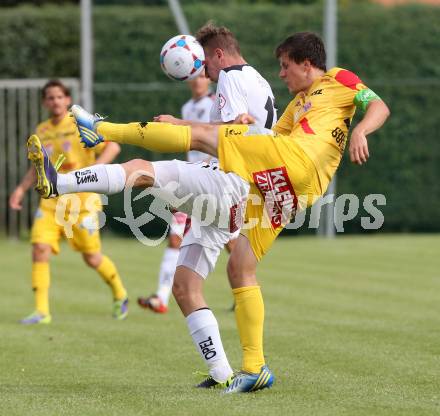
column 352, row 328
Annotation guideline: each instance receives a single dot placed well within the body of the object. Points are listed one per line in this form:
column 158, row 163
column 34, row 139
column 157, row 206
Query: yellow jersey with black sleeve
column 63, row 138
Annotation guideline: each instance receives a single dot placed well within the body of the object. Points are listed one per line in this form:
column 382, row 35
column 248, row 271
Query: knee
column 233, row 269
column 180, row 291
column 239, row 273
column 92, row 260
column 41, row 252
column 136, row 164
column 142, row 172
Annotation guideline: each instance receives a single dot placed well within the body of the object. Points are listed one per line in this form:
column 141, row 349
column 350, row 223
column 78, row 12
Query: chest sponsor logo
column 279, row 196
column 86, row 176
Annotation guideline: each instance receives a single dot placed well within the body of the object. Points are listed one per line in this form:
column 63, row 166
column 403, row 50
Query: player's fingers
column 356, row 158
column 367, row 153
column 352, row 155
column 362, row 158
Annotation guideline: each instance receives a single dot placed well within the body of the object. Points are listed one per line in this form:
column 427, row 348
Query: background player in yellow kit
column 60, row 136
column 288, row 167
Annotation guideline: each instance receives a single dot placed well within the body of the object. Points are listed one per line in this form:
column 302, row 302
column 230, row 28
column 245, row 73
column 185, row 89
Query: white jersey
column 241, row 89
column 198, row 110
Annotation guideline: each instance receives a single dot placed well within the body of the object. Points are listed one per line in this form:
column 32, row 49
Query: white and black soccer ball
column 182, row 58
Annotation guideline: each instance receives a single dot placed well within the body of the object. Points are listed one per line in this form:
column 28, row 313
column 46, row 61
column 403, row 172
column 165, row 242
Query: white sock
column 166, row 274
column 203, row 328
column 103, row 179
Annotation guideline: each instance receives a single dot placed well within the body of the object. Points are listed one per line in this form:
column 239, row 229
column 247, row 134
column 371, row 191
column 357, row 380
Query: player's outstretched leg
column 160, row 137
column 87, row 123
column 103, row 179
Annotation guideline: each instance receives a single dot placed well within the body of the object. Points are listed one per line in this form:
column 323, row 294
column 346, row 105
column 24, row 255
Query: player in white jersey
column 197, row 108
column 240, row 89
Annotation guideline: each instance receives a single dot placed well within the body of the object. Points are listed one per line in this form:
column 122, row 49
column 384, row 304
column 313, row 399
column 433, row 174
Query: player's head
column 56, row 97
column 302, row 58
column 199, row 86
column 221, row 48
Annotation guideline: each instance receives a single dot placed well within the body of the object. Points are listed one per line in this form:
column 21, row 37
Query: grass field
column 352, row 328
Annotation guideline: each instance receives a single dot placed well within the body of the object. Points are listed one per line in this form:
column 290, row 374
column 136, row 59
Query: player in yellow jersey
column 60, row 136
column 281, row 170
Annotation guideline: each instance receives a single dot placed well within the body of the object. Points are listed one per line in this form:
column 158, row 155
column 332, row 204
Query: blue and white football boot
column 248, row 382
column 46, row 172
column 87, row 126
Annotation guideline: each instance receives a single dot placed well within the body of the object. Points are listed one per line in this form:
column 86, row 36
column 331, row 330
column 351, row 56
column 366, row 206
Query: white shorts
column 198, row 258
column 214, row 200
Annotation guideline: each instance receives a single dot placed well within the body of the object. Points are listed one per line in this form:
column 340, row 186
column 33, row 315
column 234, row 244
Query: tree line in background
column 10, row 3
column 394, row 51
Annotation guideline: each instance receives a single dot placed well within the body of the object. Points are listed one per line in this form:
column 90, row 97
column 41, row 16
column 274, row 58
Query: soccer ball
column 182, row 58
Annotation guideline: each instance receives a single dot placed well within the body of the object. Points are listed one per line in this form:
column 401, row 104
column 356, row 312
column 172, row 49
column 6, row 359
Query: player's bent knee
column 139, row 172
column 92, row 260
column 240, row 273
column 181, row 291
column 41, row 252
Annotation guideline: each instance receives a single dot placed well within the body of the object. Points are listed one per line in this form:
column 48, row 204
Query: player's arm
column 376, row 114
column 111, row 150
column 17, row 196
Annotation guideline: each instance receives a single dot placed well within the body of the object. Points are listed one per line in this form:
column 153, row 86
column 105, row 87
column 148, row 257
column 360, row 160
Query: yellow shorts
column 74, row 219
column 282, row 178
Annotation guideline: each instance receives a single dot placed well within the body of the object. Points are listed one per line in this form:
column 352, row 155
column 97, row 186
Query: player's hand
column 244, row 119
column 16, row 198
column 167, row 118
column 358, row 147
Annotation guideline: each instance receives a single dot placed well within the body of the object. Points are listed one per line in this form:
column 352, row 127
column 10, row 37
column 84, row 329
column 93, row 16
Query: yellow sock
column 40, row 286
column 110, row 275
column 249, row 313
column 159, row 137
